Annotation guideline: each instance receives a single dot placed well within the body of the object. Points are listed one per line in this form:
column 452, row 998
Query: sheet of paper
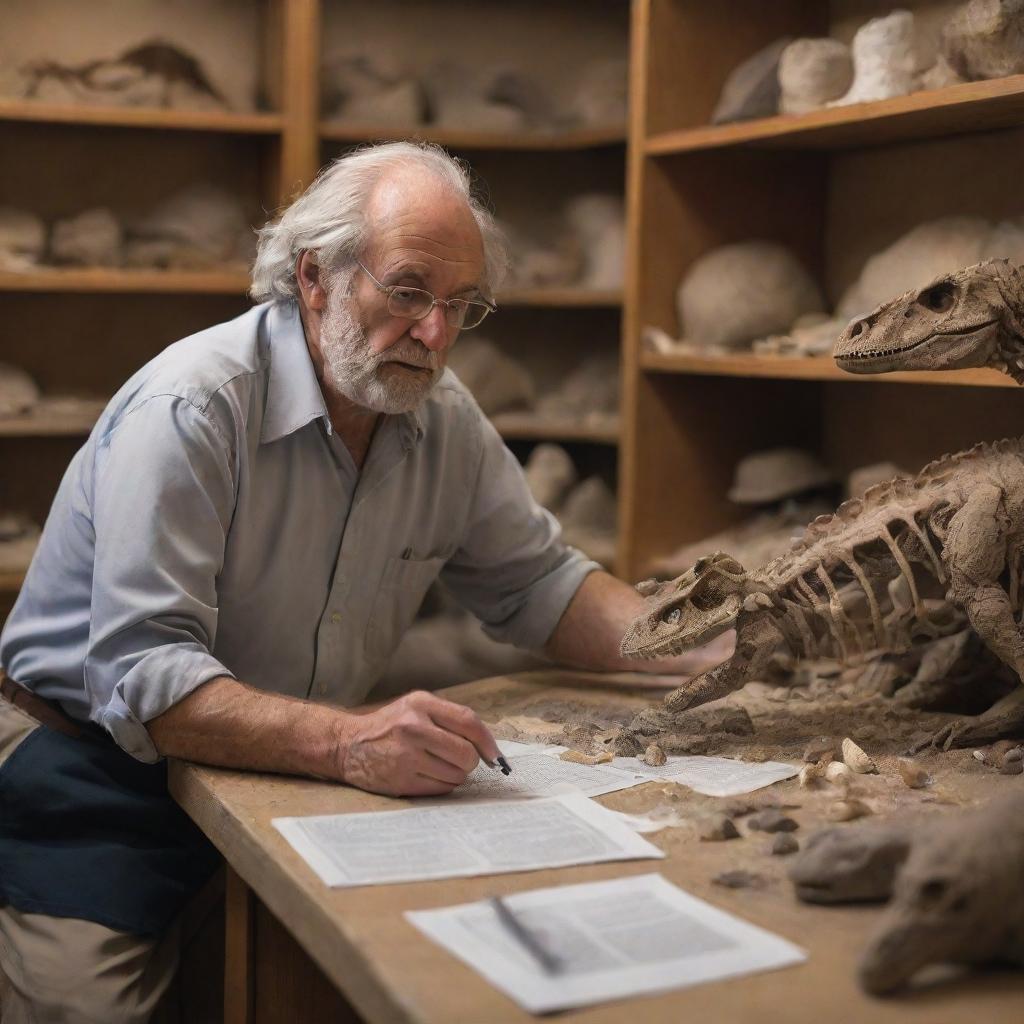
column 625, row 937
column 456, row 840
column 538, row 774
column 712, row 776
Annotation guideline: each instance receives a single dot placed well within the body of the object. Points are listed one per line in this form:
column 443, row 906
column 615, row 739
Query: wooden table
column 298, row 951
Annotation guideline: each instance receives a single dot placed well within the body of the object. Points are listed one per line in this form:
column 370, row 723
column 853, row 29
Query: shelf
column 972, row 107
column 111, row 279
column 526, row 426
column 44, row 422
column 581, row 298
column 254, row 123
column 811, row 368
column 456, row 138
column 10, row 582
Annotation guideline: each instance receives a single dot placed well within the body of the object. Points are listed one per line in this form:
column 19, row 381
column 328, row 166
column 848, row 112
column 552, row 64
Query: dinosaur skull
column 690, row 611
column 955, row 321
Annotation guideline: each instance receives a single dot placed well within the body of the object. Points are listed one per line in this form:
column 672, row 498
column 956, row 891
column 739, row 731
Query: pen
column 501, row 764
column 550, row 963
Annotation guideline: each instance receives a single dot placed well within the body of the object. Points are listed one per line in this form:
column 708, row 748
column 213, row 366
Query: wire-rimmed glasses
column 416, row 303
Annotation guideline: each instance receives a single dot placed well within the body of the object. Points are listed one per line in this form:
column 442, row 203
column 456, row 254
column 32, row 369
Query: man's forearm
column 226, row 723
column 591, row 628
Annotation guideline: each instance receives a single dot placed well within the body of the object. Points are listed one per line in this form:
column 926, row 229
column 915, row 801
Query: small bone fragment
column 812, row 774
column 717, row 828
column 739, row 880
column 812, row 72
column 993, row 755
column 752, row 88
column 772, row 821
column 884, row 60
column 654, row 756
column 847, row 810
column 1013, row 762
column 913, row 775
column 838, row 773
column 784, row 844
column 857, row 759
column 579, row 758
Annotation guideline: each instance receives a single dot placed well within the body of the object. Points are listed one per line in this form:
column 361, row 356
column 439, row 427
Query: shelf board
column 10, row 582
column 457, row 138
column 526, row 426
column 251, row 123
column 974, row 106
column 44, row 422
column 113, row 279
column 811, row 368
column 581, row 298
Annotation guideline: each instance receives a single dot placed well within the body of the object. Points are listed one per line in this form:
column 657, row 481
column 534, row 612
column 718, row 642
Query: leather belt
column 45, row 712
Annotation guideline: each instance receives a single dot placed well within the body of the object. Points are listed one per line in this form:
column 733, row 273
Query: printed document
column 712, row 776
column 456, row 840
column 625, row 937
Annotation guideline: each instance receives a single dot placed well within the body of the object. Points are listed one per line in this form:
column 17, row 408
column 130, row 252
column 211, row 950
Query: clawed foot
column 1004, row 720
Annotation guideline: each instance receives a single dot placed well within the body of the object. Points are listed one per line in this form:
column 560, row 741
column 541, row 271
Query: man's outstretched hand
column 418, row 745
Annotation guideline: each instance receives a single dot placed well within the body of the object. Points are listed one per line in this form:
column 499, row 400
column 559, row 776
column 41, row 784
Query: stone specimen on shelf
column 931, row 248
column 863, row 477
column 19, row 393
column 93, row 238
column 466, row 98
column 588, row 516
column 497, row 380
column 19, row 537
column 550, row 473
column 752, row 88
column 813, row 334
column 200, row 227
column 358, row 88
column 155, row 73
column 940, row 75
column 601, row 94
column 22, row 239
column 766, row 477
column 736, row 293
column 958, row 898
column 599, row 222
column 553, row 262
column 885, row 60
column 985, row 39
column 812, row 72
column 587, row 396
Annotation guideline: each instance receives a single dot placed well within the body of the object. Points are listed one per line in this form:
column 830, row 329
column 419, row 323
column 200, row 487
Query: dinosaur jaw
column 645, row 647
column 973, row 346
column 901, row 950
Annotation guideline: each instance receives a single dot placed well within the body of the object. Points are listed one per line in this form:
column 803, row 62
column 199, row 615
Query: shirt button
column 336, row 617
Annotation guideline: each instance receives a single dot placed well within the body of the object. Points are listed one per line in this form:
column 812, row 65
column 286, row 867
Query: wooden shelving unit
column 44, row 423
column 834, row 185
column 526, row 426
column 116, row 280
column 547, row 142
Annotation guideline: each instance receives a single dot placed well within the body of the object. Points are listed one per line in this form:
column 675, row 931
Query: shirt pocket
column 400, row 593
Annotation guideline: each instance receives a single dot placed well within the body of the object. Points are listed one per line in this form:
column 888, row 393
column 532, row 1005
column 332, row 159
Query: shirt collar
column 294, row 397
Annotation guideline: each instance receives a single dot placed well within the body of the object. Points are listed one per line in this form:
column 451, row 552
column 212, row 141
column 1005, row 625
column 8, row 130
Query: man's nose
column 433, row 330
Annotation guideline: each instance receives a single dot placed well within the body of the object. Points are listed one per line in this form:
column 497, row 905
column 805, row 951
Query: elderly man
column 233, row 556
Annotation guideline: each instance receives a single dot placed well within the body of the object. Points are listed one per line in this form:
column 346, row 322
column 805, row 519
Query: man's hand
column 418, row 745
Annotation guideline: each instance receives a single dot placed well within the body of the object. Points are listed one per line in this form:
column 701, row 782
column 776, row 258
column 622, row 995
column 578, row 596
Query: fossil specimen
column 550, row 473
column 985, row 39
column 739, row 292
column 752, row 88
column 812, row 72
column 497, row 380
column 18, row 391
column 857, row 760
column 93, row 238
column 959, row 898
column 777, row 473
column 599, row 221
column 885, row 62
column 22, row 239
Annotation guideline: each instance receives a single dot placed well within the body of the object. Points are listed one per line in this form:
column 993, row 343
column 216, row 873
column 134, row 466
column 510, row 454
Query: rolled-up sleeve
column 511, row 569
column 162, row 504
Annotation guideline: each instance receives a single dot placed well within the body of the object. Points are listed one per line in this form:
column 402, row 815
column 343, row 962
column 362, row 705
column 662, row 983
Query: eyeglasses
column 416, row 303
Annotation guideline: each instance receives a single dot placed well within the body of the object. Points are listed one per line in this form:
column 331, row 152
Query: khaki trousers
column 59, row 970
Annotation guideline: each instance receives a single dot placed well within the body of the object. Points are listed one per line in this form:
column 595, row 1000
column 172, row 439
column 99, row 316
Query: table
column 298, row 951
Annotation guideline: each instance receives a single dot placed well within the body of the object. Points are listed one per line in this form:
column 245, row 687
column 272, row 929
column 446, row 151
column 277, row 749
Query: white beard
column 360, row 374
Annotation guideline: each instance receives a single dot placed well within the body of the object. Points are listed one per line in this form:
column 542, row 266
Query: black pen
column 550, row 963
column 502, row 765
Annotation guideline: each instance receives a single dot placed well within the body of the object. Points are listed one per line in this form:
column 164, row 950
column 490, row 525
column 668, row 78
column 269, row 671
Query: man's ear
column 307, row 273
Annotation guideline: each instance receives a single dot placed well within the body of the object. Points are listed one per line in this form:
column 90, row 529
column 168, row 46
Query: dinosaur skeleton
column 956, row 530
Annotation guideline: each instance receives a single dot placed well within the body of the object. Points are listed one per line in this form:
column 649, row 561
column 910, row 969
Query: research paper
column 458, row 840
column 625, row 937
column 712, row 776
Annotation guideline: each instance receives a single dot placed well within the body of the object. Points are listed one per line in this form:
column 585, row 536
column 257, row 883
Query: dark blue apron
column 87, row 831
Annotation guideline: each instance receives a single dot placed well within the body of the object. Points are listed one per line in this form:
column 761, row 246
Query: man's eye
column 406, row 294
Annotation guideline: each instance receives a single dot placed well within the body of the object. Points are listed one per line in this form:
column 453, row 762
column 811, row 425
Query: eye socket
column 672, row 616
column 940, row 298
column 704, row 600
column 932, row 891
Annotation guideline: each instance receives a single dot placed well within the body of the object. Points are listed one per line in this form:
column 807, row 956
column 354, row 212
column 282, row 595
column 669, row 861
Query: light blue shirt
column 214, row 525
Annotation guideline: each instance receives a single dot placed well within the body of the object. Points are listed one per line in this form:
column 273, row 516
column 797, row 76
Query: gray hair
column 327, row 219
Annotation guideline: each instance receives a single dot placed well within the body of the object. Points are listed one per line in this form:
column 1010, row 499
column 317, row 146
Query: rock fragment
column 772, row 821
column 717, row 828
column 739, row 880
column 654, row 756
column 784, row 844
